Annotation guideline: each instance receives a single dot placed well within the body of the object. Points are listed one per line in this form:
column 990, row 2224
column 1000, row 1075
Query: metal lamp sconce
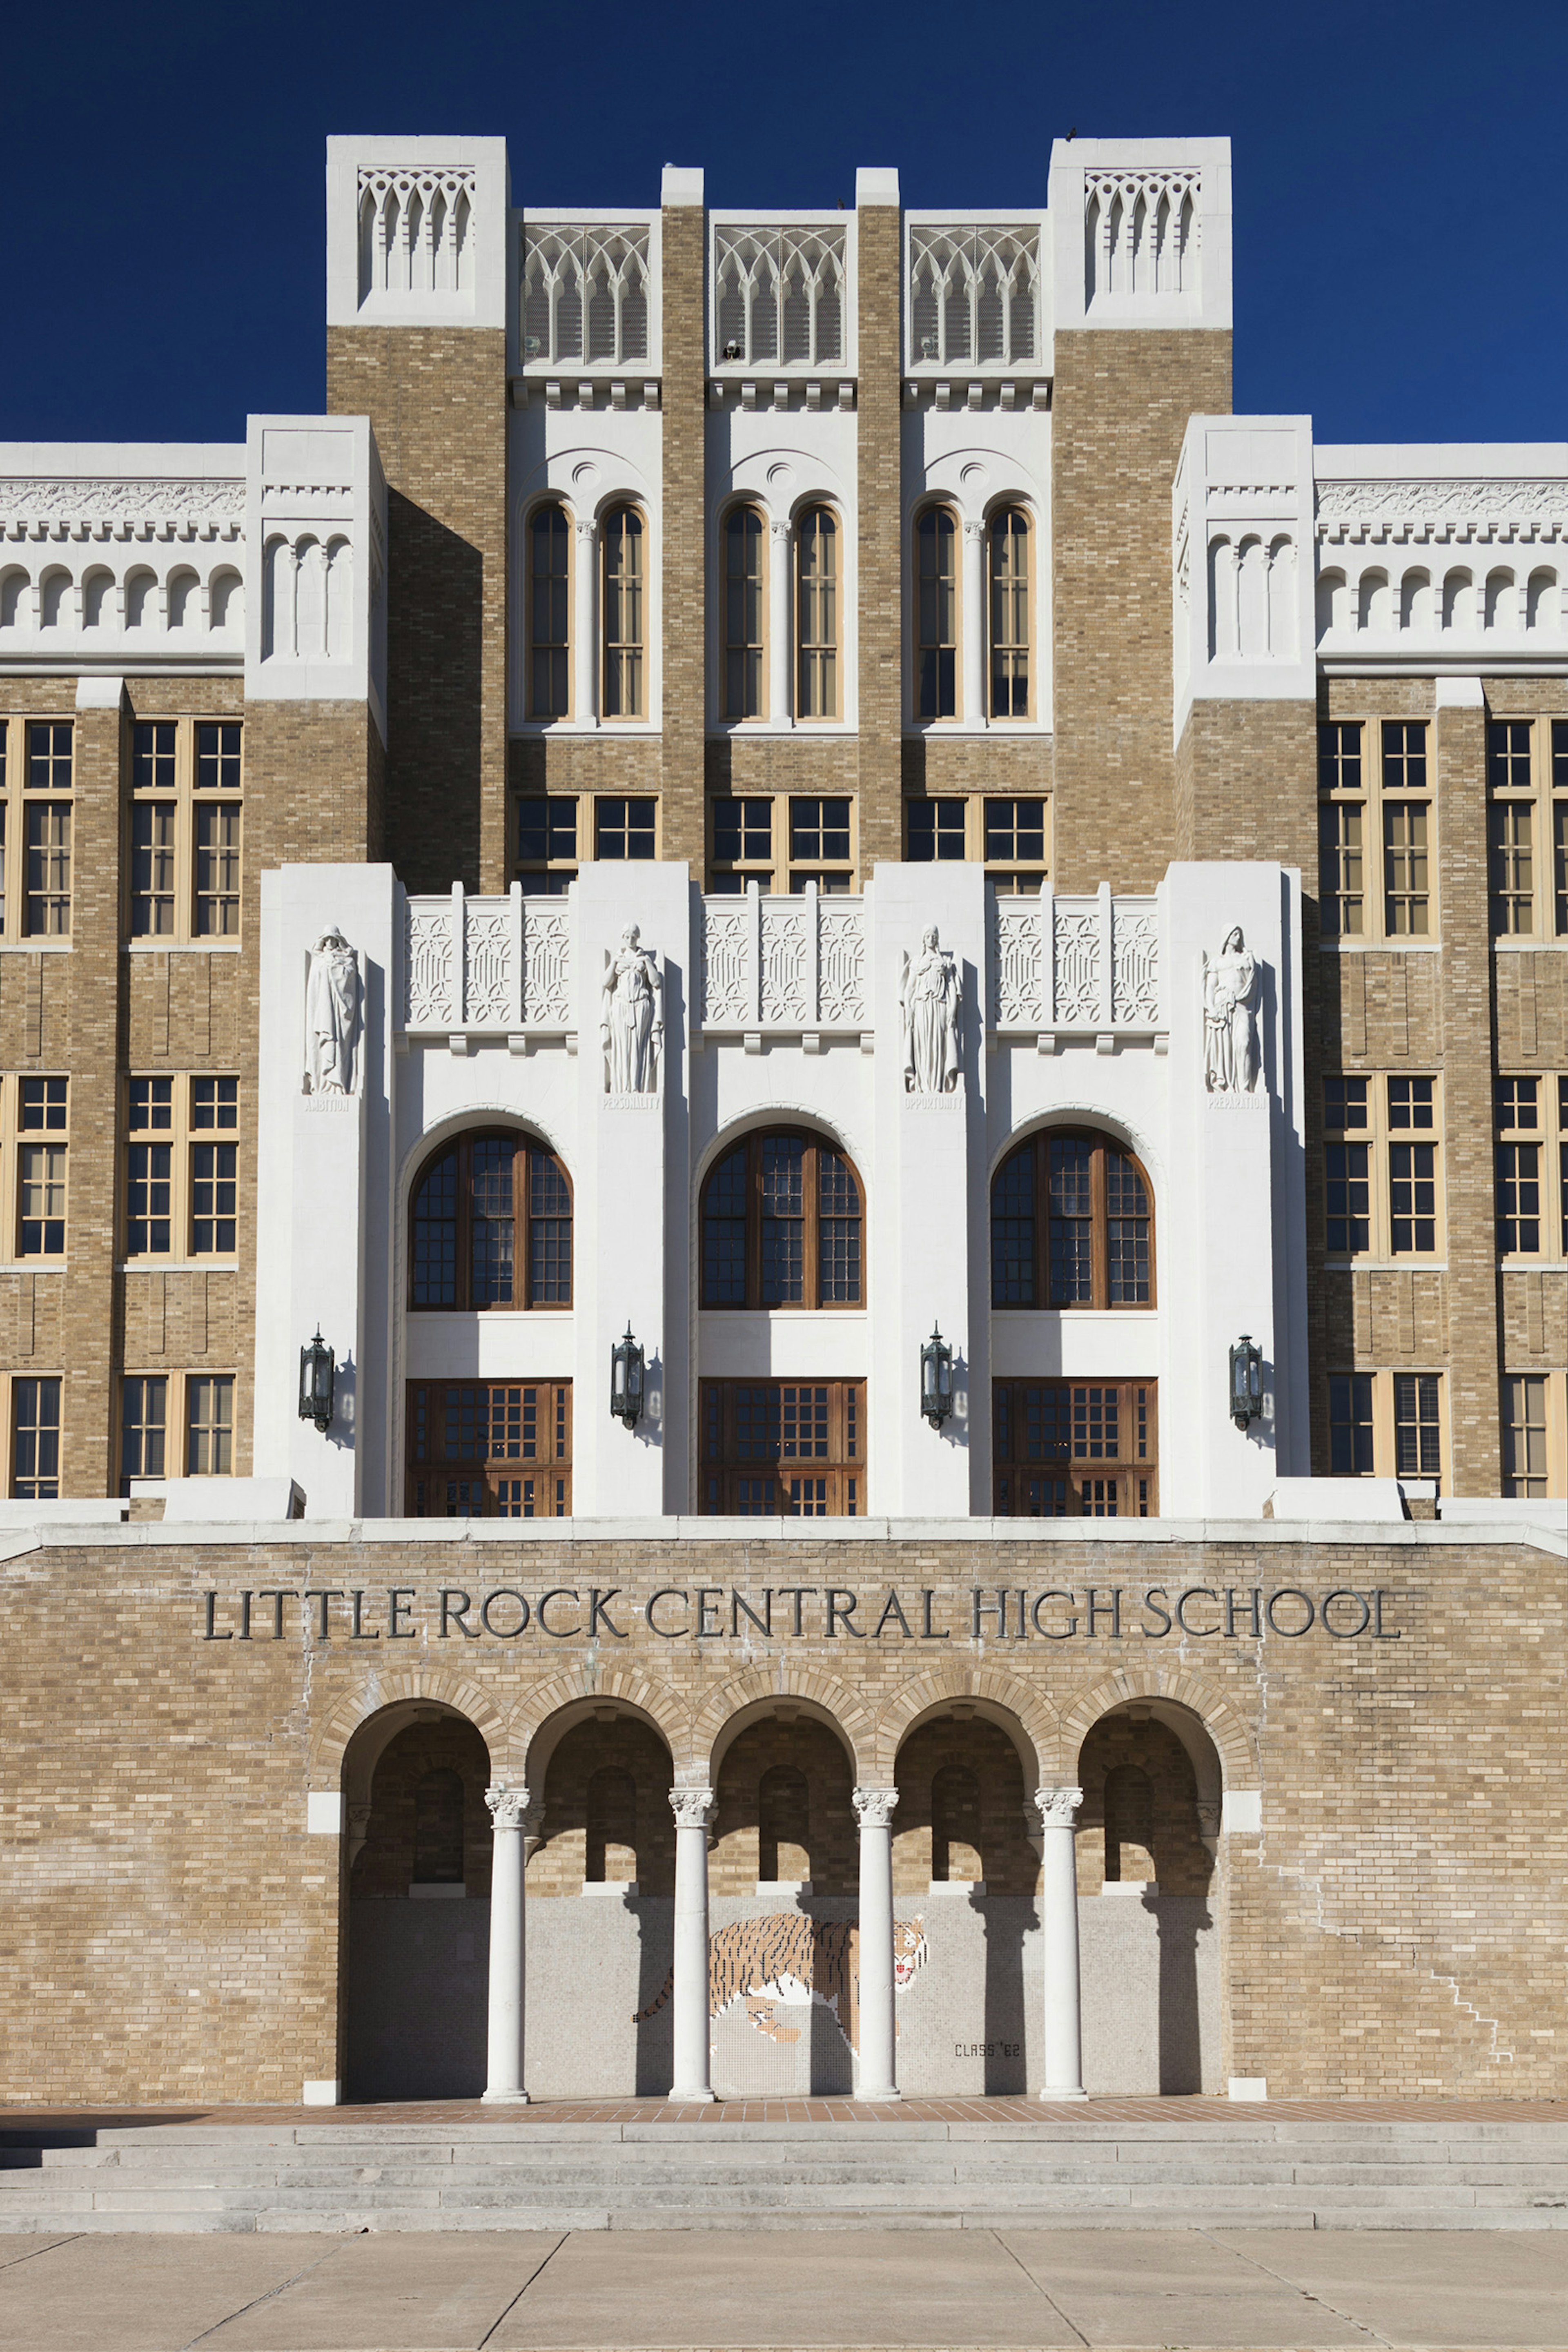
column 1245, row 1381
column 936, row 1378
column 318, row 1380
column 626, row 1379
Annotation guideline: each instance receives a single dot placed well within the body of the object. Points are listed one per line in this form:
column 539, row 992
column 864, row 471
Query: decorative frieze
column 486, row 966
column 1086, row 965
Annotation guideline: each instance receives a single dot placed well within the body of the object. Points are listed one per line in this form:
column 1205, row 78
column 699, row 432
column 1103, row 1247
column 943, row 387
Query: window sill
column 1411, row 1265
column 538, row 730
column 181, row 946
column 35, row 1264
column 36, row 947
column 1535, row 1262
column 151, row 1265
column 1521, row 943
column 1380, row 947
column 722, row 729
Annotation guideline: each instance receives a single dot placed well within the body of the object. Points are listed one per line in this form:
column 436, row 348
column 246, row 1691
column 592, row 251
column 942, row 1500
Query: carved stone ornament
column 874, row 1806
column 692, row 1807
column 1442, row 501
column 931, row 996
column 1232, row 984
column 334, row 1023
column 68, row 499
column 631, row 1028
column 508, row 1804
column 1057, row 1806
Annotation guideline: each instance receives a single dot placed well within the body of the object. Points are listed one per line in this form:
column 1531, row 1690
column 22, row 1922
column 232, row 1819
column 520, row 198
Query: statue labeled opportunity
column 631, row 1029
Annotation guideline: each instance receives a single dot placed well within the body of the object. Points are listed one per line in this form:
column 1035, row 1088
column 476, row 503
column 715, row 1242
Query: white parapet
column 417, row 232
column 487, row 966
column 1241, row 563
column 1081, row 967
column 315, row 500
column 787, row 966
column 1140, row 232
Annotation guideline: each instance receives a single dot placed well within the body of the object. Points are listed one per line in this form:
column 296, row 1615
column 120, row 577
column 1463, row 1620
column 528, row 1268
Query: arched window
column 611, row 1840
column 1010, row 615
column 955, row 1825
column 817, row 641
column 492, row 1226
column 783, row 1823
column 745, row 581
column 1072, row 1224
column 936, row 614
column 548, row 614
column 622, row 607
column 781, row 1226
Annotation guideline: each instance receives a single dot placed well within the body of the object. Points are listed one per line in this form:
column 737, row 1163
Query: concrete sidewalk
column 478, row 2292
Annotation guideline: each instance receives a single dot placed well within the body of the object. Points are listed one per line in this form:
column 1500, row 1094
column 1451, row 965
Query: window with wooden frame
column 1075, row 1449
column 35, row 1120
column 936, row 614
column 546, row 844
column 36, row 817
column 816, row 614
column 1072, row 1224
column 491, row 1226
column 782, row 1449
column 36, row 1438
column 1011, row 666
column 549, row 612
column 741, row 843
column 623, row 607
column 822, row 841
column 1527, row 821
column 1535, row 1433
column 1010, row 837
column 1386, row 1424
column 1531, row 1122
column 1381, row 1167
column 209, row 1424
column 743, row 541
column 782, row 1219
column 489, row 1450
column 186, row 817
column 144, row 1427
column 1376, row 831
column 626, row 828
column 181, row 1197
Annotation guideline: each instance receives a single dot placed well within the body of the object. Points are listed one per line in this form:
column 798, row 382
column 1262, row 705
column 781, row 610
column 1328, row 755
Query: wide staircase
column 1264, row 2171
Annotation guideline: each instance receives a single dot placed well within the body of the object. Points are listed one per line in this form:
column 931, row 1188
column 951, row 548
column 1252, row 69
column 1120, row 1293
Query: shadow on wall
column 434, row 675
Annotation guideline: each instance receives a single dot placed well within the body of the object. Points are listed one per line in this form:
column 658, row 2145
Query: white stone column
column 972, row 620
column 1059, row 1908
column 783, row 622
column 585, row 638
column 504, row 2084
column 879, row 2072
column 693, row 1811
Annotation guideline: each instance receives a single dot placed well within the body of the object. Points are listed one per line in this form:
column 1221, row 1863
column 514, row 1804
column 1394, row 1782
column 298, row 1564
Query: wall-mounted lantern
column 1245, row 1381
column 318, row 1378
column 626, row 1379
column 936, row 1378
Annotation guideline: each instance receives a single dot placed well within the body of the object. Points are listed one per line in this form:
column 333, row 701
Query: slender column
column 781, row 625
column 504, row 2083
column 586, row 650
column 689, row 2001
column 878, row 2075
column 1058, row 1907
column 972, row 622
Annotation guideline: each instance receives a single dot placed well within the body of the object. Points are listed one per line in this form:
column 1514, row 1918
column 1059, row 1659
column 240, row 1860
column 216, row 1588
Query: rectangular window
column 744, row 593
column 143, row 1422
column 49, row 874
column 1418, row 1453
column 743, row 839
column 1367, row 1125
column 1010, row 615
column 936, row 830
column 1342, row 877
column 40, row 1180
column 1518, row 1157
column 1075, row 1449
column 1375, row 831
column 621, row 541
column 624, row 828
column 816, row 611
column 185, row 823
column 1347, row 1169
column 820, row 844
column 209, row 1425
column 1015, row 839
column 1405, row 893
column 1560, row 825
column 1512, row 858
column 1385, row 1424
column 1524, row 1434
column 153, row 894
column 215, row 1184
column 490, row 1449
column 547, row 844
column 180, row 1195
column 217, row 870
column 782, row 1449
column 936, row 614
column 36, row 1440
column 1350, row 1424
column 548, row 614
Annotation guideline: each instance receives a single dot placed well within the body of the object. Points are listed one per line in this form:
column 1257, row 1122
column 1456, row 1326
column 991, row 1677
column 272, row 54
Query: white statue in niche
column 931, row 995
column 631, row 1030
column 332, row 1016
column 1231, row 989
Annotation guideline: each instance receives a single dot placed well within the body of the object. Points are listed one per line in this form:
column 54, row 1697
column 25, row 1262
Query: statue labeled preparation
column 632, row 1028
column 931, row 996
column 1231, row 988
column 332, row 1016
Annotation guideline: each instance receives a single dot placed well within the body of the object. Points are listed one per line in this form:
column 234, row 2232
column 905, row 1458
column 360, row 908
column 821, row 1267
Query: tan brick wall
column 934, row 763
column 1395, row 1930
column 1245, row 785
column 1120, row 407
column 879, row 527
column 683, row 603
column 437, row 398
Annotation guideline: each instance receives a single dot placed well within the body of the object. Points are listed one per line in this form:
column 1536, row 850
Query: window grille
column 973, row 295
column 584, row 294
column 778, row 295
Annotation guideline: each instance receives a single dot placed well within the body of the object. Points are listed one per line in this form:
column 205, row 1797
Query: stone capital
column 692, row 1807
column 1058, row 1806
column 508, row 1801
column 874, row 1806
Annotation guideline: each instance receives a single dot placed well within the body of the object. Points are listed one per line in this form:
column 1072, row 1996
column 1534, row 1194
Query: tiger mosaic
column 773, row 1962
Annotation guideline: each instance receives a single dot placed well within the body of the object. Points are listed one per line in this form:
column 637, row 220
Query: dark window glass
column 1417, row 1448
column 550, row 596
column 1093, row 1246
column 143, row 1422
column 492, row 1226
column 1348, row 1197
column 152, row 755
column 724, row 1233
column 36, row 1440
column 624, row 828
column 50, row 755
column 435, row 1235
column 936, row 616
column 1404, row 755
column 819, row 828
column 217, row 755
column 1015, row 832
column 936, row 830
column 781, row 1226
column 1339, row 756
column 1508, row 755
column 546, row 828
column 1350, row 1424
column 743, row 830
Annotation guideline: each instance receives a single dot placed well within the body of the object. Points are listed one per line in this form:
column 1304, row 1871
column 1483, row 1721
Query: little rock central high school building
column 783, row 1180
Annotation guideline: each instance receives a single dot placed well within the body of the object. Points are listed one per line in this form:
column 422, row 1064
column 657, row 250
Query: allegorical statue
column 1231, row 1059
column 332, row 993
column 632, row 1028
column 931, row 995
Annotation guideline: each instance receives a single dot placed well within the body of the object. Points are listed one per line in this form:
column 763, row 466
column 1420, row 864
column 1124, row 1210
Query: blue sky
column 1399, row 199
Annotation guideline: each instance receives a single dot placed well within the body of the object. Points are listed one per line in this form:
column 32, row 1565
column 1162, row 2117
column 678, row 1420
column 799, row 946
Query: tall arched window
column 1010, row 615
column 936, row 614
column 782, row 1222
column 548, row 614
column 621, row 607
column 816, row 632
column 744, row 590
column 492, row 1226
column 1072, row 1224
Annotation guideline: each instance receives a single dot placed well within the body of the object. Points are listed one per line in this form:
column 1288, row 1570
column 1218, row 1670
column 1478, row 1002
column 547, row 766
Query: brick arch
column 992, row 1689
column 572, row 1693
column 749, row 1692
column 409, row 1683
column 1233, row 1741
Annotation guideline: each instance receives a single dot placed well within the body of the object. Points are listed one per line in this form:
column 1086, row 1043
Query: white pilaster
column 503, row 2083
column 586, row 643
column 972, row 622
column 693, row 1809
column 878, row 2072
column 1059, row 1908
column 781, row 625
